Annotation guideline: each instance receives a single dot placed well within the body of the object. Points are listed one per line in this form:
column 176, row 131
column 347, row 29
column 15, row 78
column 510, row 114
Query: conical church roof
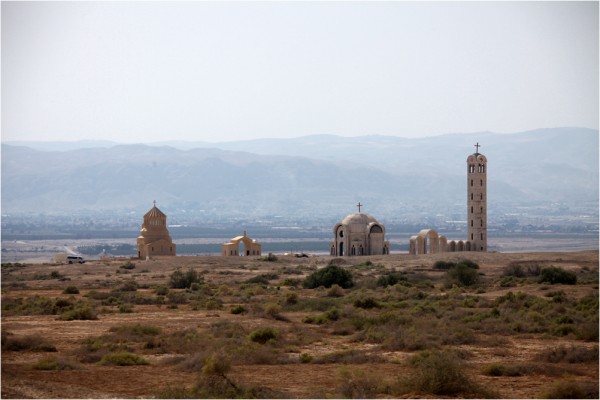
column 154, row 212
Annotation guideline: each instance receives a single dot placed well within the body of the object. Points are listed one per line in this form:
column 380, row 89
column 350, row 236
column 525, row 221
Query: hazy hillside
column 268, row 177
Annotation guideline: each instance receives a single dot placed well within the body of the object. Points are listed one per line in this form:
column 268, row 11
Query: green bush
column 71, row 290
column 128, row 265
column 161, row 290
column 553, row 275
column 444, row 264
column 238, row 310
column 123, row 359
column 81, row 313
column 366, row 303
column 32, row 343
column 390, row 279
column 328, row 276
column 440, row 373
column 263, row 335
column 53, row 364
column 462, row 275
column 184, row 280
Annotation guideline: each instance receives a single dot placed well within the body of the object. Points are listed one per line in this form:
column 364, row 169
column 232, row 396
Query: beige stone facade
column 241, row 246
column 359, row 234
column 154, row 239
column 429, row 242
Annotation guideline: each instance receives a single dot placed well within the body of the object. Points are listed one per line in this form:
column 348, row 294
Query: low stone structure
column 241, row 246
column 359, row 234
column 154, row 239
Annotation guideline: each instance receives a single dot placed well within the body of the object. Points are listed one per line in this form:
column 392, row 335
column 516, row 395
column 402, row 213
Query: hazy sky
column 152, row 71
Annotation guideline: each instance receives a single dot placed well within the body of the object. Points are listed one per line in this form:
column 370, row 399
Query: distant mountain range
column 308, row 176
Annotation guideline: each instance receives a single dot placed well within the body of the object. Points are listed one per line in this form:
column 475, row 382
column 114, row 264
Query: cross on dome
column 359, row 206
column 477, row 146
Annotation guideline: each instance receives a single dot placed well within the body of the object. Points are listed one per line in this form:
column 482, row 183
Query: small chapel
column 241, row 246
column 154, row 239
column 359, row 234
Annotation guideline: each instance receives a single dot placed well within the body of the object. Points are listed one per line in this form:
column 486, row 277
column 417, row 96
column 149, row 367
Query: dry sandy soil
column 293, row 379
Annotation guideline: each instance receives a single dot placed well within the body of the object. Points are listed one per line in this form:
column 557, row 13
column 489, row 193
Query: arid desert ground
column 408, row 327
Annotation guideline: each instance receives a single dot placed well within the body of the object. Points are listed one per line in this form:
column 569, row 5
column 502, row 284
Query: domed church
column 359, row 234
column 154, row 239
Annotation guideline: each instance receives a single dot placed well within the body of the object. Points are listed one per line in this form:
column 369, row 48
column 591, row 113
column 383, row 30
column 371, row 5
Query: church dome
column 359, row 218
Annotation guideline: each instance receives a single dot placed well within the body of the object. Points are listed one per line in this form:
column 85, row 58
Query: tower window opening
column 471, row 236
column 471, row 182
column 471, row 210
column 481, row 182
column 471, row 196
column 482, row 236
column 480, row 196
column 471, row 222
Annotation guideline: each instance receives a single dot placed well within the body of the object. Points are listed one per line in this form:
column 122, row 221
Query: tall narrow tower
column 477, row 201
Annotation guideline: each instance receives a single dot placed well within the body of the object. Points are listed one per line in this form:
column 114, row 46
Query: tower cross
column 154, row 203
column 359, row 206
column 477, row 146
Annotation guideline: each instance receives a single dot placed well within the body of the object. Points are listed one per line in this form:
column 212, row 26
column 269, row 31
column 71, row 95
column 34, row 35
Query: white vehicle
column 75, row 259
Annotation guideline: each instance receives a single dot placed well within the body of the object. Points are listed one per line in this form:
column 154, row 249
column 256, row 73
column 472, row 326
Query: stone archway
column 431, row 242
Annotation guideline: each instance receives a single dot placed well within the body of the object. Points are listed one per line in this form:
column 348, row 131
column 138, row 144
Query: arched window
column 471, row 210
column 471, row 236
column 471, row 182
column 471, row 196
column 471, row 222
column 481, row 182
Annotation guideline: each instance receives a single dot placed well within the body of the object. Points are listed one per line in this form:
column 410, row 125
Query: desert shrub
column 570, row 354
column 366, row 303
column 53, row 364
column 440, row 373
column 470, row 264
column 566, row 389
column 238, row 310
column 161, row 290
column 358, row 384
column 291, row 298
column 123, row 359
column 36, row 305
column 335, row 291
column 264, row 335
column 305, row 358
column 329, row 276
column 177, row 297
column 502, row 370
column 71, row 290
column 348, row 357
column 294, row 282
column 128, row 265
column 184, row 280
column 444, row 264
column 522, row 269
column 390, row 279
column 554, row 275
column 55, row 275
column 259, row 280
column 136, row 330
column 80, row 313
column 31, row 343
column 462, row 275
column 128, row 286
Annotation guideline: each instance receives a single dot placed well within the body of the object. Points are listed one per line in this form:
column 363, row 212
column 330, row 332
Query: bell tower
column 477, row 201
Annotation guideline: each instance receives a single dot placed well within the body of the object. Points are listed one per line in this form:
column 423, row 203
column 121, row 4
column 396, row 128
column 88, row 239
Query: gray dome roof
column 359, row 218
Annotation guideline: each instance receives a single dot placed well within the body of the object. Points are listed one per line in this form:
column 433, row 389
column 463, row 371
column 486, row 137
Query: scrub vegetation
column 198, row 327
